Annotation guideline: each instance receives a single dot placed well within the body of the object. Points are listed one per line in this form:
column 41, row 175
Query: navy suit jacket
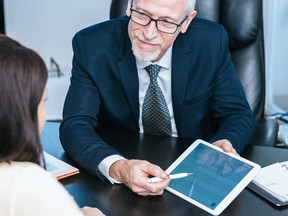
column 208, row 99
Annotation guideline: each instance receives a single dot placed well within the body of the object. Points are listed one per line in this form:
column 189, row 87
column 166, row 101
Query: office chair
column 2, row 21
column 243, row 21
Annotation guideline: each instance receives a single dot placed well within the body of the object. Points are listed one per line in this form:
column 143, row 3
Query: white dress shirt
column 164, row 82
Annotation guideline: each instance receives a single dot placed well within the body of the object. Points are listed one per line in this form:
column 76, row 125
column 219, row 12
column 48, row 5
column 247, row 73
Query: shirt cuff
column 105, row 164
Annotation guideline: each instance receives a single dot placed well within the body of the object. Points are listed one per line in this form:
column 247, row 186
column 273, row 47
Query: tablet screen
column 215, row 175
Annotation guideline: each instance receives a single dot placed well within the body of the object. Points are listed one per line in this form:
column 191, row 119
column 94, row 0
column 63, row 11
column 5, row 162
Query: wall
column 48, row 26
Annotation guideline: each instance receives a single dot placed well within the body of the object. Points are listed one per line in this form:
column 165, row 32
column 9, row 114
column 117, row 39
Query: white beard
column 145, row 54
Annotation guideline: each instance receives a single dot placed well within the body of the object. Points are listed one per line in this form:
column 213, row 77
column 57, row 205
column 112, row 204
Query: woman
column 25, row 188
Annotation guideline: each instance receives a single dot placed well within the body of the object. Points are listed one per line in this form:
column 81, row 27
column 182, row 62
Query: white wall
column 47, row 26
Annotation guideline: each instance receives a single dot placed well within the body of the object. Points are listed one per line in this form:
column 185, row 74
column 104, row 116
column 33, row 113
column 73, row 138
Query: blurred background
column 48, row 27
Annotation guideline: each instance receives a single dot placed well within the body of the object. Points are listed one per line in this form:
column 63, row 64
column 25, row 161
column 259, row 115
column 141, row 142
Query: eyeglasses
column 161, row 25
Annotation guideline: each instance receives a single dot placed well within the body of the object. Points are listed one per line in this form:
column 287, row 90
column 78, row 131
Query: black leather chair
column 2, row 22
column 243, row 21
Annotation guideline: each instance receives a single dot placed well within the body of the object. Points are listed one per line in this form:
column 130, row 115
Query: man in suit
column 201, row 95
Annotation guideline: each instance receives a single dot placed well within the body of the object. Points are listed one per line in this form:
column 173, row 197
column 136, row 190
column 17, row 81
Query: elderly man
column 158, row 70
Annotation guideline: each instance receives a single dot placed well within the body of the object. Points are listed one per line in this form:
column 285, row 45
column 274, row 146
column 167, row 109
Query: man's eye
column 167, row 24
column 141, row 15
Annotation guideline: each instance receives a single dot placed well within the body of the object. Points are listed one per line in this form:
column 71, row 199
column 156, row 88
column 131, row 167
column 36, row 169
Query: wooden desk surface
column 119, row 200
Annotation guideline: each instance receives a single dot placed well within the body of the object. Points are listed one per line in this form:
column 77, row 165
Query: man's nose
column 150, row 31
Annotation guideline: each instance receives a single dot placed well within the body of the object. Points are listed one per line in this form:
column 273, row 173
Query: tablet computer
column 218, row 177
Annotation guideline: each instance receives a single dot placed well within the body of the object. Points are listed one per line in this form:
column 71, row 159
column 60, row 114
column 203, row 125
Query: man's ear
column 128, row 12
column 187, row 22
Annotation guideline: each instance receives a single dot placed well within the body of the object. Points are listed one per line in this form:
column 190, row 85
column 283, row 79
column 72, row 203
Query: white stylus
column 173, row 176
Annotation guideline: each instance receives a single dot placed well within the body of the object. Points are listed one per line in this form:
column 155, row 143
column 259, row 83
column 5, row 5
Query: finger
column 155, row 170
column 218, row 144
column 149, row 190
column 141, row 186
column 235, row 152
column 156, row 188
column 136, row 175
column 151, row 194
column 227, row 147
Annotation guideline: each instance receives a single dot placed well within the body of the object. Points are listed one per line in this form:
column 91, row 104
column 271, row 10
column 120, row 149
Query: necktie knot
column 153, row 71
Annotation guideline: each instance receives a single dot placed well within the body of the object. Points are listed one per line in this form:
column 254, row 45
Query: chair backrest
column 243, row 21
column 2, row 21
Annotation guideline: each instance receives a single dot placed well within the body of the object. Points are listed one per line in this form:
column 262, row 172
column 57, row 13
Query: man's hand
column 90, row 211
column 135, row 173
column 226, row 146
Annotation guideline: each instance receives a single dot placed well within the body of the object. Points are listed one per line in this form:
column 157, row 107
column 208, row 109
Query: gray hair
column 190, row 5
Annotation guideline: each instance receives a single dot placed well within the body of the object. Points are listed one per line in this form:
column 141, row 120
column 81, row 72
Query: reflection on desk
column 120, row 200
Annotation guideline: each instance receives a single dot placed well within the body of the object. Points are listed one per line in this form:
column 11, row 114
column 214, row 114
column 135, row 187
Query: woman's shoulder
column 22, row 169
column 16, row 168
column 31, row 184
column 26, row 176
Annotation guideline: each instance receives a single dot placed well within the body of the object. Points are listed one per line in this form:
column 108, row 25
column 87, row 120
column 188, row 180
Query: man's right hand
column 135, row 174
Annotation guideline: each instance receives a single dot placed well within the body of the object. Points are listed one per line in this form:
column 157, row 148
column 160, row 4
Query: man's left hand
column 225, row 145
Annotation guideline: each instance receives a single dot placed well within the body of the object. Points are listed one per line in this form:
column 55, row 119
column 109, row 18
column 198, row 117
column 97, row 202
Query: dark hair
column 23, row 76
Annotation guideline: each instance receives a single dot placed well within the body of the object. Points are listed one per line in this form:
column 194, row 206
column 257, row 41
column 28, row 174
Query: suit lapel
column 129, row 76
column 181, row 62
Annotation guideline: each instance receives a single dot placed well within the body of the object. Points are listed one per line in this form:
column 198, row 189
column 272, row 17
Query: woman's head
column 22, row 87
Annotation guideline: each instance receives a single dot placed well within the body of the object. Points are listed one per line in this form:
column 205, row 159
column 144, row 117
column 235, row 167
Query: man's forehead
column 176, row 6
column 166, row 2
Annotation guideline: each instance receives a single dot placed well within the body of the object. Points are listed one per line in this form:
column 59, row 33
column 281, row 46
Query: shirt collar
column 164, row 62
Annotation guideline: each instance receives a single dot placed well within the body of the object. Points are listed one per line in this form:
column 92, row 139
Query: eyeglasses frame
column 156, row 21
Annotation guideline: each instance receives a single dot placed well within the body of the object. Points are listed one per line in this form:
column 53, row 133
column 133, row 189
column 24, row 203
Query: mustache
column 156, row 41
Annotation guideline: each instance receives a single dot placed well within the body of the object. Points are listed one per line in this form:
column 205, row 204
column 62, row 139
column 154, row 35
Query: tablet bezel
column 233, row 193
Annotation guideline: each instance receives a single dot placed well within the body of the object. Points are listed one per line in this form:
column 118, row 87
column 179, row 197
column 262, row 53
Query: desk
column 119, row 200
